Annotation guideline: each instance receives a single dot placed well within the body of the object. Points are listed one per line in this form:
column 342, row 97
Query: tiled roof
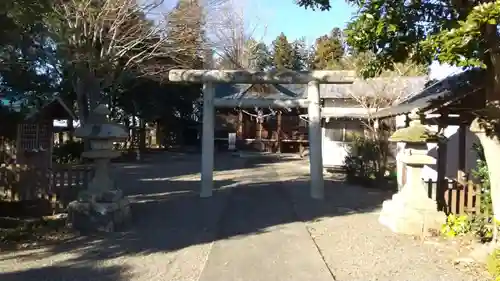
column 450, row 88
column 399, row 86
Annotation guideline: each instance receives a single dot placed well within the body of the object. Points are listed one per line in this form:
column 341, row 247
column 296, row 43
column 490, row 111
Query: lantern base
column 99, row 215
column 412, row 214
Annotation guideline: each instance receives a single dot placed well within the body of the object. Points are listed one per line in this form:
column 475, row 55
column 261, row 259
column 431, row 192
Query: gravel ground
column 356, row 247
column 251, row 229
column 171, row 237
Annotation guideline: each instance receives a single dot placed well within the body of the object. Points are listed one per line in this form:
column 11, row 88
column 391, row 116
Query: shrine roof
column 401, row 86
column 247, row 91
column 449, row 89
column 54, row 109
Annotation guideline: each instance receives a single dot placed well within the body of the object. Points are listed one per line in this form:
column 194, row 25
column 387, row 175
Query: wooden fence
column 457, row 197
column 59, row 185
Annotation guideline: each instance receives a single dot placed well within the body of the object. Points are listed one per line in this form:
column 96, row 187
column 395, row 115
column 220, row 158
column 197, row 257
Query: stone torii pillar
column 315, row 145
column 312, row 78
column 207, row 145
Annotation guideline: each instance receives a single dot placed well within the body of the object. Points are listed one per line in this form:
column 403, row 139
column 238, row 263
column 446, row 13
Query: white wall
column 330, row 110
column 430, row 172
column 334, row 151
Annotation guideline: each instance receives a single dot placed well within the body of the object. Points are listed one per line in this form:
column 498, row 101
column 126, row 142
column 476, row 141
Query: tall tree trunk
column 491, row 147
column 82, row 101
column 88, row 92
column 88, row 96
column 83, row 106
column 486, row 127
column 94, row 92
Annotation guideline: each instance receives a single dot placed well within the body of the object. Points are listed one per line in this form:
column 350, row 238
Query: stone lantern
column 411, row 211
column 102, row 206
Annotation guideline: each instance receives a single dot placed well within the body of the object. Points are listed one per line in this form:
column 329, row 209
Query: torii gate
column 312, row 78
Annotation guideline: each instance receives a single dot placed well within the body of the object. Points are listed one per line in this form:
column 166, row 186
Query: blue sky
column 271, row 17
column 268, row 18
column 285, row 16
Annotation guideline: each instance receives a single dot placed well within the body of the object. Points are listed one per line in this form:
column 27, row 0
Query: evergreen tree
column 309, row 58
column 185, row 28
column 300, row 54
column 23, row 49
column 283, row 53
column 329, row 51
column 262, row 56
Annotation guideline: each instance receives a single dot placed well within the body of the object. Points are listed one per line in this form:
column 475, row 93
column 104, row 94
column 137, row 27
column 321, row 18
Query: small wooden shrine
column 35, row 135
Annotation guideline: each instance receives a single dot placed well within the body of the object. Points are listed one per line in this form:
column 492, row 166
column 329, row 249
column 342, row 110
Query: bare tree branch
column 233, row 39
column 379, row 93
column 374, row 95
column 101, row 40
column 121, row 31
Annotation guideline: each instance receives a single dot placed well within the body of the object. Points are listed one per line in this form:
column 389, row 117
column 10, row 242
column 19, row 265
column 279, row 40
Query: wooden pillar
column 302, row 149
column 259, row 131
column 462, row 137
column 442, row 183
column 407, row 120
column 71, row 130
column 442, row 159
column 239, row 132
column 301, row 133
column 278, row 130
column 207, row 156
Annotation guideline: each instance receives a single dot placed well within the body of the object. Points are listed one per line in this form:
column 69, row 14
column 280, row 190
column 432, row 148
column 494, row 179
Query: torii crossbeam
column 311, row 78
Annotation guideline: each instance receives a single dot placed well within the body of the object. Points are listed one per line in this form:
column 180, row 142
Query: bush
column 367, row 160
column 481, row 226
column 493, row 264
column 460, row 225
column 484, row 225
column 69, row 152
column 456, row 226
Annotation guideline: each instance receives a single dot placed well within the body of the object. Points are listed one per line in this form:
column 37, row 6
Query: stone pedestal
column 100, row 214
column 411, row 211
column 102, row 207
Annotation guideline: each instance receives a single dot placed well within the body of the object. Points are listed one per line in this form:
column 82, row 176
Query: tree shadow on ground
column 80, row 272
column 168, row 214
column 188, row 163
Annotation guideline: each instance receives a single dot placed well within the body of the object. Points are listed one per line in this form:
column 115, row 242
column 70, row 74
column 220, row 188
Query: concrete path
column 259, row 225
column 261, row 239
